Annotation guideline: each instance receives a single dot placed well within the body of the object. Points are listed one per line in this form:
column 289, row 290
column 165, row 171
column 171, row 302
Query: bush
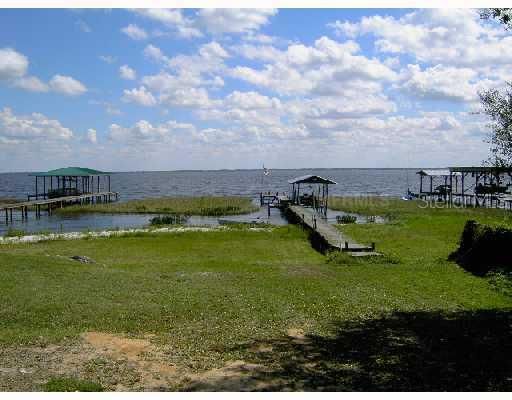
column 171, row 219
column 71, row 385
column 11, row 232
column 346, row 219
column 484, row 248
column 343, row 258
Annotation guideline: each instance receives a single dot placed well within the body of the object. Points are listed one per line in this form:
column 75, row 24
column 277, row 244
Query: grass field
column 258, row 310
column 205, row 206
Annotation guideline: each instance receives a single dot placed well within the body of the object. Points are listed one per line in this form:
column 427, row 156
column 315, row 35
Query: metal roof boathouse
column 317, row 196
column 70, row 181
column 63, row 186
column 486, row 186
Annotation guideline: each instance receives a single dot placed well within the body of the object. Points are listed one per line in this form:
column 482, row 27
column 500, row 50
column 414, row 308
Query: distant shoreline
column 251, row 169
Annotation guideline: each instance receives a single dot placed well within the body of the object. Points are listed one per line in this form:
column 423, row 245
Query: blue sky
column 206, row 89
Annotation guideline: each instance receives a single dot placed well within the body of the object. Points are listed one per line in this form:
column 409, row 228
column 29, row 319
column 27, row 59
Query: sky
column 171, row 89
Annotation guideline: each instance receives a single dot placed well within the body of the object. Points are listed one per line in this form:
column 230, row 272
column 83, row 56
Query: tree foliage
column 498, row 106
column 503, row 15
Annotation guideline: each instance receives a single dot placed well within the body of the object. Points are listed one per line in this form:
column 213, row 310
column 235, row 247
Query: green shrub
column 71, row 385
column 171, row 219
column 484, row 248
column 346, row 219
column 12, row 232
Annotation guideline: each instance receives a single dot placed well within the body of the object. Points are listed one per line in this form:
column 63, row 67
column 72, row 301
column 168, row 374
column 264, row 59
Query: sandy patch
column 146, row 359
column 122, row 363
column 235, row 376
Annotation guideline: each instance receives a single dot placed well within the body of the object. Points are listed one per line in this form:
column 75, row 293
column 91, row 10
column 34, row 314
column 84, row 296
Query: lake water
column 136, row 185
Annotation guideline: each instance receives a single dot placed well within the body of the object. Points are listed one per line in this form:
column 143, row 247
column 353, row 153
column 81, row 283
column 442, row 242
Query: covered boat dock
column 61, row 187
column 315, row 192
column 484, row 186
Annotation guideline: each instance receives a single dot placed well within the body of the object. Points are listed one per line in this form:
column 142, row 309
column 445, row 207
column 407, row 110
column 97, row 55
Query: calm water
column 135, row 185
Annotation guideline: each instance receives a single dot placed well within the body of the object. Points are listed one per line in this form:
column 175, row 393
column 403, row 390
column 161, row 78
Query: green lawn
column 412, row 320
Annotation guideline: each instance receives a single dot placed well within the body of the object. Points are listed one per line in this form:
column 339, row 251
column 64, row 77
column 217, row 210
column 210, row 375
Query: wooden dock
column 328, row 237
column 59, row 202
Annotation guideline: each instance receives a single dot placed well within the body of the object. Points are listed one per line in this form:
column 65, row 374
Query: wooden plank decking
column 333, row 238
column 56, row 202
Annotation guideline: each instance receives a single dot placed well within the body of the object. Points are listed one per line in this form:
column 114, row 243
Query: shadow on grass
column 418, row 351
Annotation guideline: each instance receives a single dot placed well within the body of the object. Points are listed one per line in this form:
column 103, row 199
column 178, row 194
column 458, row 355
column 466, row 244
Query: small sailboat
column 408, row 195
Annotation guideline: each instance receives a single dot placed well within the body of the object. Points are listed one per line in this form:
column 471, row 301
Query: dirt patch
column 122, row 363
column 141, row 355
column 118, row 347
column 235, row 376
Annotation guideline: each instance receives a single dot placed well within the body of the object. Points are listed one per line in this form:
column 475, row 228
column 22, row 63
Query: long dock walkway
column 331, row 237
column 37, row 205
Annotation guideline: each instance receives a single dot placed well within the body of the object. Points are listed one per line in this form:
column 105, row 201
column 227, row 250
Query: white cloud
column 108, row 59
column 13, row 70
column 213, row 21
column 326, row 68
column 83, row 26
column 212, row 50
column 92, row 136
column 12, row 64
column 251, row 100
column 140, row 96
column 108, row 107
column 143, row 132
column 440, row 36
column 155, row 54
column 191, row 74
column 172, row 19
column 443, row 83
column 232, row 20
column 31, row 84
column 67, row 85
column 134, row 32
column 127, row 73
column 33, row 127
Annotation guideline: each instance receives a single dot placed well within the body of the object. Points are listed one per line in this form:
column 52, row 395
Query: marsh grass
column 9, row 200
column 202, row 206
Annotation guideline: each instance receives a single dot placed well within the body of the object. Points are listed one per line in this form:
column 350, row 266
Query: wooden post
column 326, row 198
column 431, row 186
column 421, row 183
column 450, row 195
column 36, row 185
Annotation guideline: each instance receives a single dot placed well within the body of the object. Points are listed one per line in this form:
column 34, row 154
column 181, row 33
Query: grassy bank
column 192, row 303
column 206, row 206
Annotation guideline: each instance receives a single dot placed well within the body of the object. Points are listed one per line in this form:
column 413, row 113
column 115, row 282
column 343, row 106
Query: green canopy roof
column 71, row 171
